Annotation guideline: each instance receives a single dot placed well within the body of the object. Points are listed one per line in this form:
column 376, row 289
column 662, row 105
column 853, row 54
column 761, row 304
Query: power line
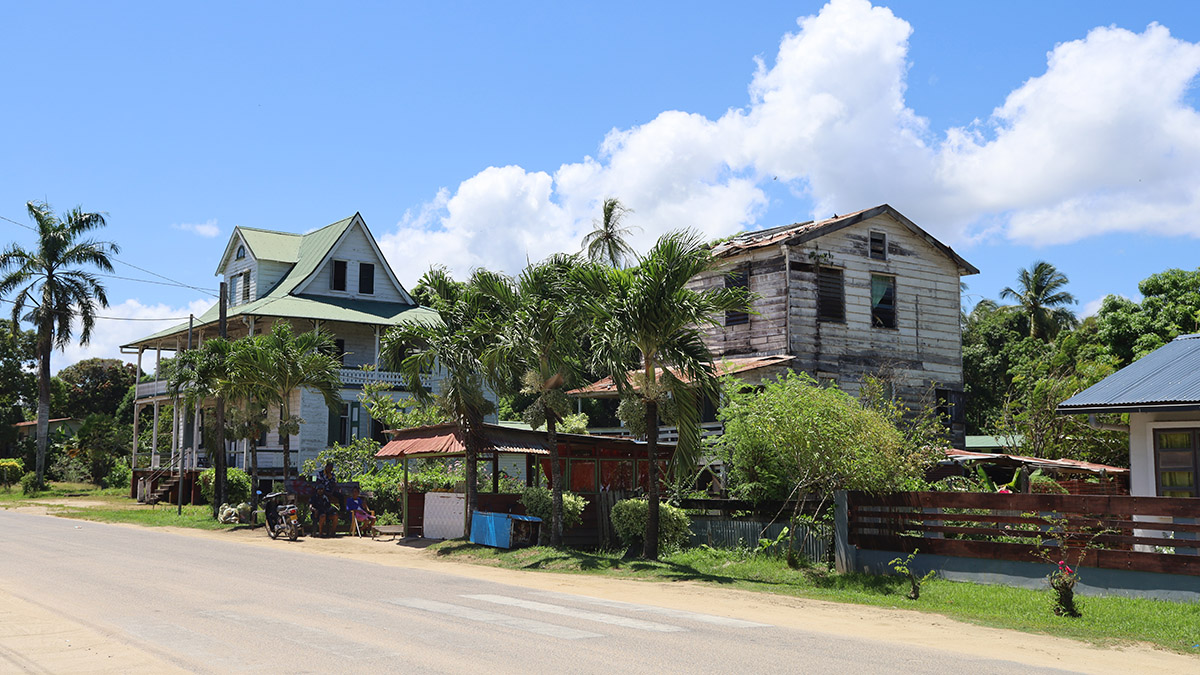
column 112, row 318
column 174, row 282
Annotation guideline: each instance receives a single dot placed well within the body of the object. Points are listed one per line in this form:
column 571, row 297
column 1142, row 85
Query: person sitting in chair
column 325, row 511
column 356, row 505
column 329, row 499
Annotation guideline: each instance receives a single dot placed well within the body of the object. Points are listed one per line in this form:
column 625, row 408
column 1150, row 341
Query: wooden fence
column 1148, row 534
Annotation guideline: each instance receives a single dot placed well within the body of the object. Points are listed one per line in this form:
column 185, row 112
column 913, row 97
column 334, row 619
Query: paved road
column 212, row 606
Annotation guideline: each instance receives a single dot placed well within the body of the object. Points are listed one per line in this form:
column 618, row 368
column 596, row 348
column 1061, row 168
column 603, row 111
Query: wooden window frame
column 333, row 275
column 369, row 277
column 823, row 299
column 871, row 250
column 1192, row 428
column 245, row 286
column 241, row 253
column 878, row 321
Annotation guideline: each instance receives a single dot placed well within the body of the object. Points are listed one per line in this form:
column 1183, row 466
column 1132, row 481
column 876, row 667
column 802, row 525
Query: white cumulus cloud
column 131, row 320
column 207, row 229
column 1103, row 140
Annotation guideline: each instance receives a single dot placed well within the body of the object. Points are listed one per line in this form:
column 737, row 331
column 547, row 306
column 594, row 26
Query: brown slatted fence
column 1151, row 534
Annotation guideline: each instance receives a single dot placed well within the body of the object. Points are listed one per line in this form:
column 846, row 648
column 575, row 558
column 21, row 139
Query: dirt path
column 887, row 625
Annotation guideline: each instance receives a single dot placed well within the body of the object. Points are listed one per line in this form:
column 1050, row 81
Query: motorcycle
column 282, row 516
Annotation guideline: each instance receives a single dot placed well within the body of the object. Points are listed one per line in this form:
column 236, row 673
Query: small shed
column 1161, row 394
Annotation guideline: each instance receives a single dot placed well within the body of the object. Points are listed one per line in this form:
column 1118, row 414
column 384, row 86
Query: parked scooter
column 282, row 516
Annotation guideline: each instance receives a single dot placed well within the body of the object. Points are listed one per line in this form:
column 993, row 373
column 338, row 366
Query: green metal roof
column 306, row 252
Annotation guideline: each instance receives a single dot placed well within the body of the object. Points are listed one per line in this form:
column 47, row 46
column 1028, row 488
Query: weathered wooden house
column 867, row 293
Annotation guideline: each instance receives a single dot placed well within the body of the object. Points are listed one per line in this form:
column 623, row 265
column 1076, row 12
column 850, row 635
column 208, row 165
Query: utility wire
column 111, row 318
column 174, row 282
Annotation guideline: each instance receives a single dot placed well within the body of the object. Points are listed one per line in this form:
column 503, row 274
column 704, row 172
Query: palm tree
column 454, row 344
column 282, row 362
column 53, row 290
column 201, row 376
column 538, row 344
column 646, row 319
column 1040, row 297
column 607, row 242
column 249, row 398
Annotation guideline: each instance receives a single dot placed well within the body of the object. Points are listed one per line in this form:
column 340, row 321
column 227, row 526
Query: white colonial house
column 334, row 280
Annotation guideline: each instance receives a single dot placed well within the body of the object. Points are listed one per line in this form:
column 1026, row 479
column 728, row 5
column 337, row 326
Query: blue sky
column 487, row 134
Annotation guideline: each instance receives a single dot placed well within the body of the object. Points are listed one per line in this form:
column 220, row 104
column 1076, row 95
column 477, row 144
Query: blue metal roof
column 1166, row 379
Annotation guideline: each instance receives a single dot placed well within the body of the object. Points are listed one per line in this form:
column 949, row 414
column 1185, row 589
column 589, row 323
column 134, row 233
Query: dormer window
column 337, row 281
column 241, row 253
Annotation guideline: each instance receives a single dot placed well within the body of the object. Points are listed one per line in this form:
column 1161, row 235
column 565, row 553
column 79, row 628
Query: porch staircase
column 164, row 488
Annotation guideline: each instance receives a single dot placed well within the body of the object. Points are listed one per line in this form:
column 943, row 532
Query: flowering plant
column 1062, row 582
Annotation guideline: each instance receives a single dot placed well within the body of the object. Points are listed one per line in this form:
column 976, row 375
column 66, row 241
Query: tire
column 272, row 531
column 293, row 532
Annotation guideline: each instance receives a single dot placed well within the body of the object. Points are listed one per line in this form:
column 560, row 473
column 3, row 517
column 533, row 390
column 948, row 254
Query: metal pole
column 406, row 498
column 179, row 511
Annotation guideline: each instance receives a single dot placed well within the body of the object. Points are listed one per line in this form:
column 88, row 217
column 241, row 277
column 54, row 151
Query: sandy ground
column 27, row 630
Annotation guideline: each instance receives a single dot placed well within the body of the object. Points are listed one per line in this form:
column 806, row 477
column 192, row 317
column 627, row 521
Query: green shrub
column 11, row 471
column 29, row 484
column 387, row 493
column 629, row 520
column 237, row 485
column 539, row 502
column 119, row 476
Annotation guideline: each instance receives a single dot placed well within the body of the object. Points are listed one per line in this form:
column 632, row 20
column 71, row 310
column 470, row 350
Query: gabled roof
column 1167, row 378
column 306, row 252
column 799, row 233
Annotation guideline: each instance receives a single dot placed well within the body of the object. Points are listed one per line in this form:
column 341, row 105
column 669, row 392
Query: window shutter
column 366, row 278
column 831, row 294
column 337, row 281
column 335, row 418
column 738, row 279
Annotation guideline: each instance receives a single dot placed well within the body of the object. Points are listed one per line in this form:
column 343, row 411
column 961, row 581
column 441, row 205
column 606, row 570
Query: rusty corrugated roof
column 1036, row 462
column 606, row 386
column 799, row 233
column 445, row 440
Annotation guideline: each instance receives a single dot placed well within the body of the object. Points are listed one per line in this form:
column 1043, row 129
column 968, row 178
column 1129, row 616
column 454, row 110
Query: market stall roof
column 1069, row 465
column 445, row 440
column 607, row 388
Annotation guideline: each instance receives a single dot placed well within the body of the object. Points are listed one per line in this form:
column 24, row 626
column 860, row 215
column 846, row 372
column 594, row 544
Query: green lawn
column 1172, row 625
column 111, row 506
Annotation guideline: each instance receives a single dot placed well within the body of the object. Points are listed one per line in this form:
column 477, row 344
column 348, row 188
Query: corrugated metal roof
column 1167, row 378
column 275, row 246
column 606, row 386
column 802, row 232
column 955, row 455
column 445, row 440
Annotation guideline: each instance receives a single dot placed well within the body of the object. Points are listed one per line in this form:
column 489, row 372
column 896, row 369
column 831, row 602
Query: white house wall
column 236, row 267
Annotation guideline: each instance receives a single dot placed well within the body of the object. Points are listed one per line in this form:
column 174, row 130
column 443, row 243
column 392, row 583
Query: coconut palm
column 1039, row 296
column 279, row 364
column 538, row 345
column 200, row 376
column 646, row 319
column 53, row 288
column 607, row 242
column 455, row 344
column 249, row 399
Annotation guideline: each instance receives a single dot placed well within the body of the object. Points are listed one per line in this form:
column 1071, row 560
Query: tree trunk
column 650, row 552
column 287, row 442
column 219, row 456
column 45, row 346
column 556, row 488
column 253, row 475
column 472, row 477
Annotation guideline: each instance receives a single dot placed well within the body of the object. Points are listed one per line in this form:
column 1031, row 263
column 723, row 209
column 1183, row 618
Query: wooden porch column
column 376, row 347
column 137, row 409
column 154, row 460
column 195, row 436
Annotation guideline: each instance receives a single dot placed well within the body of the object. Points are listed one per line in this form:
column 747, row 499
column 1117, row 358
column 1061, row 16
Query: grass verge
column 87, row 502
column 1106, row 621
